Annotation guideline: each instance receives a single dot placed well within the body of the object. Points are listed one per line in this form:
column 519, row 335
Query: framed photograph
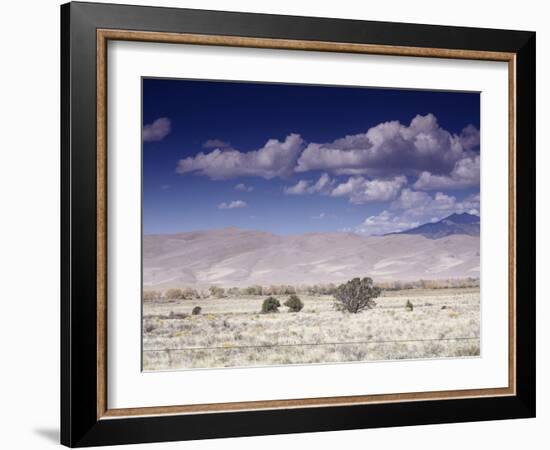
column 276, row 224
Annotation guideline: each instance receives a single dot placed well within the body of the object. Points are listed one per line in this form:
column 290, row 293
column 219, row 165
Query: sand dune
column 236, row 257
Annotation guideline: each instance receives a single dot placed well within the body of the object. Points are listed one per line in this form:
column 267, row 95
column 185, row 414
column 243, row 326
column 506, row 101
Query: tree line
column 188, row 293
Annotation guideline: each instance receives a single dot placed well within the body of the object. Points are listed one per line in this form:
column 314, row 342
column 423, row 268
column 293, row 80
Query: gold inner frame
column 104, row 35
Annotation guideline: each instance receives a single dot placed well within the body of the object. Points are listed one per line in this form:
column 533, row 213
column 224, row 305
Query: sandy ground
column 236, row 257
column 231, row 332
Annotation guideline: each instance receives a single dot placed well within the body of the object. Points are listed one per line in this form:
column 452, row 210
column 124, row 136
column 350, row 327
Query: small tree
column 315, row 289
column 409, row 306
column 190, row 293
column 356, row 295
column 196, row 310
column 151, row 295
column 174, row 294
column 331, row 289
column 270, row 305
column 217, row 292
column 290, row 289
column 253, row 290
column 233, row 291
column 294, row 304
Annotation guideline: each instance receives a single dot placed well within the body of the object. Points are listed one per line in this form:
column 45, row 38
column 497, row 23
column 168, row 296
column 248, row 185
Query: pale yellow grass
column 230, row 331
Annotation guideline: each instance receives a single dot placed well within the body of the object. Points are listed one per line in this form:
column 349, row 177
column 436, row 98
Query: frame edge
column 80, row 430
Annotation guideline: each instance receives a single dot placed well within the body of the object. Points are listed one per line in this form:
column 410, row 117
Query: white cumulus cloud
column 322, row 185
column 157, row 130
column 391, row 148
column 464, row 174
column 361, row 190
column 417, row 203
column 243, row 187
column 413, row 208
column 320, row 216
column 384, row 223
column 373, row 160
column 232, row 205
column 216, row 143
column 274, row 159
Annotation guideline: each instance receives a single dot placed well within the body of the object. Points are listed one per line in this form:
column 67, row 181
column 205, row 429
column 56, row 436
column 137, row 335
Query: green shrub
column 409, row 306
column 294, row 304
column 356, row 295
column 196, row 310
column 270, row 305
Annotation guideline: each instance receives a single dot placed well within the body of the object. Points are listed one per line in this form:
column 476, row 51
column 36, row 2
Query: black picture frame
column 80, row 425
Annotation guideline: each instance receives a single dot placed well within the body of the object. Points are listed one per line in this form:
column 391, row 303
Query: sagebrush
column 356, row 295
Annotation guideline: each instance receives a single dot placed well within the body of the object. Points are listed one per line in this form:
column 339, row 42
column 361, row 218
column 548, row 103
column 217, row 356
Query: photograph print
column 305, row 224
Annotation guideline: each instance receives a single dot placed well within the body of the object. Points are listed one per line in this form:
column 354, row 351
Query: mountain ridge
column 455, row 224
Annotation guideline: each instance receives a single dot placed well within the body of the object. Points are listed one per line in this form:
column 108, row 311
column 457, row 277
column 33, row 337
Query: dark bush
column 270, row 305
column 356, row 295
column 294, row 304
column 196, row 310
column 409, row 306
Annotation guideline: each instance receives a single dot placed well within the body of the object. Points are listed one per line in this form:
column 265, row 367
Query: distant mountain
column 236, row 257
column 455, row 224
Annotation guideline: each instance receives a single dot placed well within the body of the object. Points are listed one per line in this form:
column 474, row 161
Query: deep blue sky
column 246, row 115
